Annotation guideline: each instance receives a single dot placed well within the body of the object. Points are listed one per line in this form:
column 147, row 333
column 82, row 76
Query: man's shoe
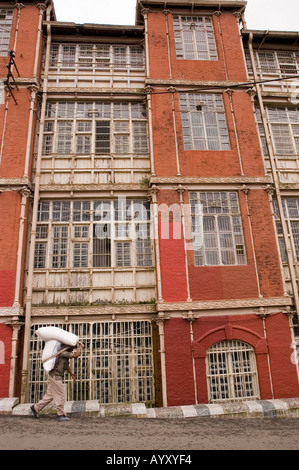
column 35, row 414
column 63, row 418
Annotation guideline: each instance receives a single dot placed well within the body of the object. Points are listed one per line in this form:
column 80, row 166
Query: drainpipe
column 5, row 121
column 230, row 95
column 263, row 315
column 160, row 322
column 190, row 317
column 246, row 190
column 19, row 6
column 148, row 90
column 180, row 190
column 173, row 90
column 289, row 250
column 166, row 12
column 15, row 325
column 145, row 12
column 34, row 219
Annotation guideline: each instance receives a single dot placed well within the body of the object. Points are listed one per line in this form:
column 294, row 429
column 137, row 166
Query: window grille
column 222, row 241
column 116, row 365
column 93, row 57
column 194, row 38
column 231, row 372
column 98, row 234
column 5, row 28
column 204, row 122
column 291, row 214
column 101, row 128
column 280, row 64
column 284, row 128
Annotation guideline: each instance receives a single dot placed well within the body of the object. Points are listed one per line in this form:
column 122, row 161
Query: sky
column 260, row 14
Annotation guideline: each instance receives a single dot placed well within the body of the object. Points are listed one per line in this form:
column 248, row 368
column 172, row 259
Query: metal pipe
column 160, row 323
column 230, row 92
column 144, row 12
column 166, row 12
column 34, row 218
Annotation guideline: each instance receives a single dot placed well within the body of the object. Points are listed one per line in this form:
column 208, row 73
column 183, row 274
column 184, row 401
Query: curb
column 288, row 407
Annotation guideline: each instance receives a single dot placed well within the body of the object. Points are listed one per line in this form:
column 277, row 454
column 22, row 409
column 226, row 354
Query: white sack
column 48, row 333
column 51, row 348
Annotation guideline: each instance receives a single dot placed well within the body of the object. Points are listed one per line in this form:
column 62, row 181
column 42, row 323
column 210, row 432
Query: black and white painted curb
column 250, row 408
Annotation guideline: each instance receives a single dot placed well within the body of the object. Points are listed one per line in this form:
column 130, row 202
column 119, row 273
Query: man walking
column 55, row 389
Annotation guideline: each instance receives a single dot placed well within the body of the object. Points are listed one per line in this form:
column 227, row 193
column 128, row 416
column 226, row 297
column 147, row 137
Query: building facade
column 149, row 204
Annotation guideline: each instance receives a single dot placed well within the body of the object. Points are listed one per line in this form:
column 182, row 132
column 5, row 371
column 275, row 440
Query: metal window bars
column 231, row 372
column 116, row 365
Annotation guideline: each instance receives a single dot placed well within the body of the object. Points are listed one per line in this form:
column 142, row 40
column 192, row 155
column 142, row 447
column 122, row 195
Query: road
column 112, row 433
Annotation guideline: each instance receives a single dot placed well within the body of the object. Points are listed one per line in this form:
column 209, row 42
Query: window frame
column 293, row 225
column 283, row 124
column 96, row 57
column 274, row 62
column 98, row 233
column 197, row 27
column 204, row 122
column 208, row 210
column 95, row 128
column 5, row 30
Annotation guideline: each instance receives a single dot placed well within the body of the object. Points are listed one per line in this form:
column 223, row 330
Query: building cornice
column 211, row 180
column 209, row 305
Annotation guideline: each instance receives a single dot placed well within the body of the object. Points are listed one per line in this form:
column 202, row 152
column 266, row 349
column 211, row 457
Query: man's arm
column 78, row 351
column 75, row 354
column 69, row 370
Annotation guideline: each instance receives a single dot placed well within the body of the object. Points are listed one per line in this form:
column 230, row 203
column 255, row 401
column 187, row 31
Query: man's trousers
column 55, row 392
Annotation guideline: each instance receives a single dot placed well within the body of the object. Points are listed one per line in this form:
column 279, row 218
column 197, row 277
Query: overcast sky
column 280, row 15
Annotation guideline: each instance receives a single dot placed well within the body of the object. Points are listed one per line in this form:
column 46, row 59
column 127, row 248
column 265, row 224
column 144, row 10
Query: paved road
column 26, row 433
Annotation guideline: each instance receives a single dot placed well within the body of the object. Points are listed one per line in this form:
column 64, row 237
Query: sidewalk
column 288, row 407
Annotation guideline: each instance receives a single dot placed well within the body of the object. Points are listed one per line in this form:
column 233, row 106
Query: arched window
column 231, row 371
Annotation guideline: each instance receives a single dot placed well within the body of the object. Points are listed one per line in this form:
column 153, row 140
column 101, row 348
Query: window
column 101, row 234
column 194, row 38
column 231, row 372
column 96, row 57
column 291, row 213
column 204, row 122
column 284, row 127
column 277, row 63
column 60, row 245
column 219, row 223
column 116, row 365
column 99, row 128
column 5, row 27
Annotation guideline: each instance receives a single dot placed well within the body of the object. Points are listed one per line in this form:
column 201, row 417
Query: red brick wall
column 278, row 374
column 5, row 353
column 14, row 141
column 10, row 214
column 14, row 149
column 229, row 52
column 217, row 282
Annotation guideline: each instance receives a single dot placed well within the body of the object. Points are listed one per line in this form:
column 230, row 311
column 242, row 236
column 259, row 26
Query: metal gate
column 116, row 365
